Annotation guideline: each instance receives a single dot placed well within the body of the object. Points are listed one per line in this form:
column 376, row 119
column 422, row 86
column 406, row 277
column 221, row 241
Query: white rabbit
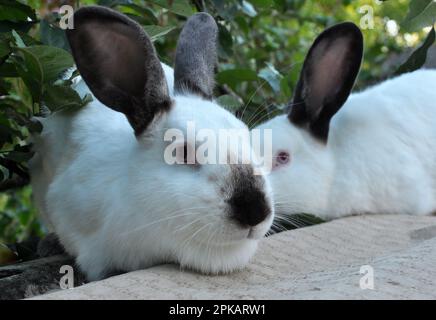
column 376, row 154
column 100, row 178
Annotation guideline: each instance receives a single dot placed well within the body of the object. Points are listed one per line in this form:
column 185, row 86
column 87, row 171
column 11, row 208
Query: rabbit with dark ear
column 371, row 152
column 100, row 175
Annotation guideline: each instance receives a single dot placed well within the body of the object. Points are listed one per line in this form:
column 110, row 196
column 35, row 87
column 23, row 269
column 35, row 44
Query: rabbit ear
column 196, row 56
column 119, row 64
column 327, row 77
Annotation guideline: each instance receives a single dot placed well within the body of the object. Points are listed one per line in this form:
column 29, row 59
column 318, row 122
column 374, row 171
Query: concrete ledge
column 318, row 262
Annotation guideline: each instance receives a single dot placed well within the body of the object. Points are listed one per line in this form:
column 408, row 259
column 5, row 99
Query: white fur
column 380, row 156
column 115, row 203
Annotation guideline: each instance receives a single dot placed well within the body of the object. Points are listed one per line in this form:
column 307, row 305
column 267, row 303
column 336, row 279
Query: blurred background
column 262, row 45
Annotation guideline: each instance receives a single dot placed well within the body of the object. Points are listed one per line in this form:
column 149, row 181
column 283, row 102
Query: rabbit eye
column 282, row 158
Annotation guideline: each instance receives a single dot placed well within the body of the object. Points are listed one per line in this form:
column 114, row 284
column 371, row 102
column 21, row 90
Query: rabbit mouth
column 235, row 238
column 218, row 258
column 257, row 232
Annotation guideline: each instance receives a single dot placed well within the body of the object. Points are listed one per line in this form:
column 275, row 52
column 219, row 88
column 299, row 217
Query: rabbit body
column 336, row 154
column 99, row 175
column 111, row 201
column 380, row 156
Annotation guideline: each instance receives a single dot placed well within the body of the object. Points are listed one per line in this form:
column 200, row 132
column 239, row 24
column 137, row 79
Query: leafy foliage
column 417, row 59
column 262, row 44
column 421, row 14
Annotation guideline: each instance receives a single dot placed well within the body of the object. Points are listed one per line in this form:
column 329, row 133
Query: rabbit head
column 204, row 215
column 302, row 162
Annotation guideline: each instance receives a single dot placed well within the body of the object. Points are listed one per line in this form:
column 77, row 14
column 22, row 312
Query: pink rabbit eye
column 282, row 158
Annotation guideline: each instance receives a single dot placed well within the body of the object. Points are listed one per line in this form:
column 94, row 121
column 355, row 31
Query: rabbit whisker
column 255, row 112
column 180, row 228
column 167, row 219
column 188, row 241
column 255, row 118
column 251, row 98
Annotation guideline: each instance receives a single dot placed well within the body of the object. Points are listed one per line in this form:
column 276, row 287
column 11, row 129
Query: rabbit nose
column 249, row 208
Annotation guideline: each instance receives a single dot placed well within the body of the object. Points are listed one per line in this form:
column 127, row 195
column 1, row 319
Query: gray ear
column 119, row 64
column 196, row 56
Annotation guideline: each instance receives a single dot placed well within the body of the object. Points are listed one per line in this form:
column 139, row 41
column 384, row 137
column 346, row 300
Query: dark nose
column 249, row 207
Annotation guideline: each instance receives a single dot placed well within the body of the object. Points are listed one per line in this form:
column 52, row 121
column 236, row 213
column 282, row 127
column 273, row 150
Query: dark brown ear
column 196, row 56
column 327, row 77
column 119, row 64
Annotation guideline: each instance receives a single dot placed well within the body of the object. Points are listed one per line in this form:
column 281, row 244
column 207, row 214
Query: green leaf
column 53, row 61
column 19, row 156
column 112, row 3
column 422, row 13
column 7, row 256
column 6, row 134
column 229, row 102
column 15, row 15
column 62, row 97
column 233, row 77
column 272, row 76
column 285, row 86
column 8, row 39
column 180, row 7
column 4, row 45
column 11, row 107
column 8, row 70
column 248, row 9
column 24, row 26
column 225, row 41
column 146, row 13
column 155, row 32
column 228, row 11
column 30, row 70
column 19, row 37
column 41, row 65
column 53, row 36
column 11, row 101
column 262, row 3
column 18, row 41
column 15, row 11
column 418, row 58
